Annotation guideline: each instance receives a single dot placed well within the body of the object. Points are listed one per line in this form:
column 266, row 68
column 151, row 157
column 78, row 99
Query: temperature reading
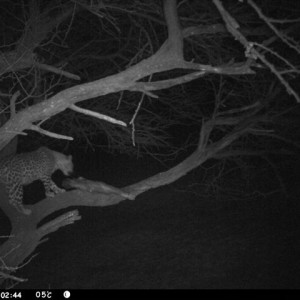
column 43, row 295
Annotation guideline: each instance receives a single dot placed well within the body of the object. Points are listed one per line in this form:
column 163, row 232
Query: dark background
column 176, row 236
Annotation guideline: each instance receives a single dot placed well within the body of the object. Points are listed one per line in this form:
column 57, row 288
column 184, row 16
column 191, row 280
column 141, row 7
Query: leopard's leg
column 51, row 189
column 16, row 198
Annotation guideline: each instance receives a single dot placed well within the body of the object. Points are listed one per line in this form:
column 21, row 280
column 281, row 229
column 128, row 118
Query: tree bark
column 26, row 233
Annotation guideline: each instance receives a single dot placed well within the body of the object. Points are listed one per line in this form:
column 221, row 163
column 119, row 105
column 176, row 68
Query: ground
column 168, row 238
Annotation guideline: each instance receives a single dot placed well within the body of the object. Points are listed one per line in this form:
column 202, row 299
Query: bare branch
column 51, row 134
column 57, row 71
column 269, row 21
column 66, row 219
column 251, row 52
column 13, row 103
column 97, row 115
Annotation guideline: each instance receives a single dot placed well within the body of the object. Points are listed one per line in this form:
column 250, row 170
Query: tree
column 162, row 65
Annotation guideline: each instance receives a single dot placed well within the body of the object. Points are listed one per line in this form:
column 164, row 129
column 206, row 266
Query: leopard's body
column 24, row 168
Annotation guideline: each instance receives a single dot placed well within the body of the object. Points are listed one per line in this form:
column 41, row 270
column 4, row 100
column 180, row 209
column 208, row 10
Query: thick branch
column 25, row 235
column 168, row 57
column 174, row 31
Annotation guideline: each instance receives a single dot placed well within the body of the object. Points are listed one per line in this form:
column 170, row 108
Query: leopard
column 22, row 169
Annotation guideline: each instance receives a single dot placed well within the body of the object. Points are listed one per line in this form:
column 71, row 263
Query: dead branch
column 97, row 115
column 26, row 235
column 250, row 50
column 168, row 57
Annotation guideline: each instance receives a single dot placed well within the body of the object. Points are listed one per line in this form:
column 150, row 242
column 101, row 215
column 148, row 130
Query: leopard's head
column 65, row 164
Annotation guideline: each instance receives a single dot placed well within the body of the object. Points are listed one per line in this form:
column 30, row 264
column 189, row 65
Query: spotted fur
column 24, row 168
